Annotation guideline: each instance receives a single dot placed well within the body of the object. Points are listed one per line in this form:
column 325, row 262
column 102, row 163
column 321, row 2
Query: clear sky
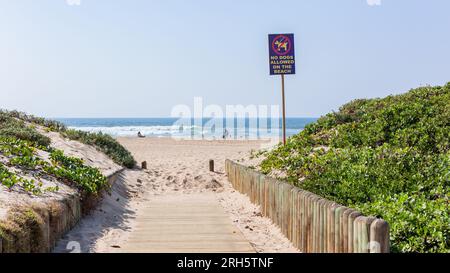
column 139, row 58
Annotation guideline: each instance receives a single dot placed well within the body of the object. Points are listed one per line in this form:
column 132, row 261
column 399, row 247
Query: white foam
column 186, row 131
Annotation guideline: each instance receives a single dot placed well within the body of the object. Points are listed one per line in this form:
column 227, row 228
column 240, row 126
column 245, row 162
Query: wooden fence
column 312, row 223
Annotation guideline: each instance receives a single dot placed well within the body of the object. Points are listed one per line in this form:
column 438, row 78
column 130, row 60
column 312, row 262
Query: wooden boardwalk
column 189, row 223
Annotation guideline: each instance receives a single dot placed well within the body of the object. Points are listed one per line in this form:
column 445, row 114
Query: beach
column 176, row 170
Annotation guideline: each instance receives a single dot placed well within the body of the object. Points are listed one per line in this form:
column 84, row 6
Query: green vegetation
column 106, row 144
column 386, row 157
column 22, row 155
column 73, row 170
column 12, row 124
column 50, row 124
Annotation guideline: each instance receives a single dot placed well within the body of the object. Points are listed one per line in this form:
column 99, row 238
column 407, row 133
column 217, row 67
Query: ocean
column 237, row 128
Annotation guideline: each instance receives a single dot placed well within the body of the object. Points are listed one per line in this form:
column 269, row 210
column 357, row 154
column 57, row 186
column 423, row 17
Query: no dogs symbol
column 282, row 45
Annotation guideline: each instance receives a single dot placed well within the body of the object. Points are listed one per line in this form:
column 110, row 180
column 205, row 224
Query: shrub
column 50, row 124
column 12, row 127
column 12, row 124
column 387, row 157
column 418, row 223
column 106, row 144
column 72, row 169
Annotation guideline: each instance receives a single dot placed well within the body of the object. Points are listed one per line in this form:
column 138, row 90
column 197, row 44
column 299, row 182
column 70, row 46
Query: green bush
column 12, row 124
column 7, row 178
column 106, row 144
column 387, row 157
column 21, row 154
column 418, row 223
column 12, row 127
column 52, row 125
column 88, row 179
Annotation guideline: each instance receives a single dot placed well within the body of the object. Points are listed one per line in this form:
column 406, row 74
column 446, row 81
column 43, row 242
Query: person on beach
column 225, row 133
column 140, row 135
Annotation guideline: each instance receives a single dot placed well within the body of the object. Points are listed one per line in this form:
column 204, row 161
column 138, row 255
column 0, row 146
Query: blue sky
column 139, row 58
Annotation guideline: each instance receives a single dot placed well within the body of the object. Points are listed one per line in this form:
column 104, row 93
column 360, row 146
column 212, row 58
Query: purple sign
column 282, row 54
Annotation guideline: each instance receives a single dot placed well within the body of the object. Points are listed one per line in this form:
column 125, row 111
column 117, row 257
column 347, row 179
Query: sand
column 176, row 168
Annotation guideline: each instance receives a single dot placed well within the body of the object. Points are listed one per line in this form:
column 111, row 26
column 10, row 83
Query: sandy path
column 175, row 168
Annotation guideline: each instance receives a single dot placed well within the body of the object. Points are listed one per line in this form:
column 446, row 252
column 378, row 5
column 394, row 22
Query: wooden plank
column 171, row 222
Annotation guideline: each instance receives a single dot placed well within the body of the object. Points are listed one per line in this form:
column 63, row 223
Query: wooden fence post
column 338, row 232
column 326, row 224
column 321, row 222
column 361, row 234
column 316, row 224
column 331, row 228
column 261, row 183
column 348, row 225
column 303, row 219
column 379, row 237
column 211, row 165
column 279, row 205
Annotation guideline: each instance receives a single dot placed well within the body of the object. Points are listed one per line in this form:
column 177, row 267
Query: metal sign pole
column 284, row 109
